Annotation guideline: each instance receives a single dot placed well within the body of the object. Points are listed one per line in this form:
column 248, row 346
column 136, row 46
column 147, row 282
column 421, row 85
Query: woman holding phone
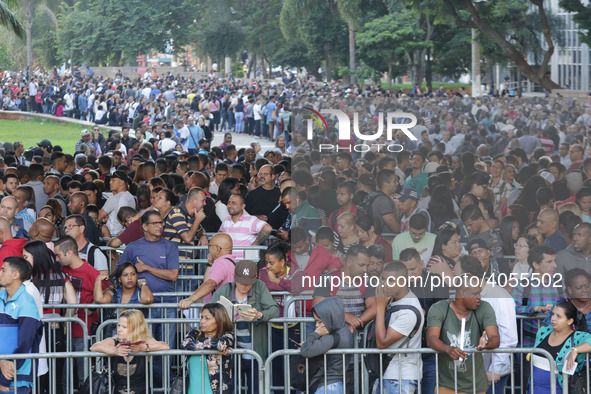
column 133, row 336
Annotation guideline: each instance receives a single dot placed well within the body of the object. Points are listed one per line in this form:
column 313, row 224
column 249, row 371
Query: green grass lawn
column 32, row 131
column 407, row 87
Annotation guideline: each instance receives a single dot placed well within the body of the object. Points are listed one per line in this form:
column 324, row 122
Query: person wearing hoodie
column 331, row 332
column 10, row 246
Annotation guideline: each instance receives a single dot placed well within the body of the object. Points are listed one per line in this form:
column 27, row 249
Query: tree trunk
column 409, row 69
column 352, row 54
column 252, row 64
column 429, row 70
column 535, row 74
column 28, row 26
column 390, row 76
column 328, row 66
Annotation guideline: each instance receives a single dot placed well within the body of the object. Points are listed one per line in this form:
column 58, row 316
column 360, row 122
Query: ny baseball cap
column 246, row 272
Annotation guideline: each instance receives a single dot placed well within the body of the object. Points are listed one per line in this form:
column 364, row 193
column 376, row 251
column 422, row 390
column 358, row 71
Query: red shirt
column 83, row 278
column 12, row 247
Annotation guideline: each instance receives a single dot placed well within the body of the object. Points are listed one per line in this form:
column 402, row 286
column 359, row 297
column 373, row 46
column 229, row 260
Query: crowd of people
column 491, row 189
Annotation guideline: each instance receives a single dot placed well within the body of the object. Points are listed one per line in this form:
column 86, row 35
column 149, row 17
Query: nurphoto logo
column 394, row 121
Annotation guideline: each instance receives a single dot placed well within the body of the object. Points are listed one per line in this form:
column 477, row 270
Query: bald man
column 8, row 210
column 10, row 246
column 220, row 271
column 43, row 230
column 547, row 224
column 77, row 206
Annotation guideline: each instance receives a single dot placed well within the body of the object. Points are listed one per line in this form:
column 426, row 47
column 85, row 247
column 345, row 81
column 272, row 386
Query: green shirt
column 417, row 183
column 404, row 240
column 441, row 315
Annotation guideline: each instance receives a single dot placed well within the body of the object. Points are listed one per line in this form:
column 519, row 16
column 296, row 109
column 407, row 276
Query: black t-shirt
column 278, row 216
column 260, row 201
column 211, row 223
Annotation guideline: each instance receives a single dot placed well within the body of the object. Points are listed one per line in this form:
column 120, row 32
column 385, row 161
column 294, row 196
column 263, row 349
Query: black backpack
column 372, row 361
column 90, row 255
column 365, row 209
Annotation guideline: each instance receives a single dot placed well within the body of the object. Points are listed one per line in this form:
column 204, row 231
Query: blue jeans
column 80, row 363
column 499, row 386
column 429, row 374
column 19, row 390
column 239, row 121
column 249, row 375
column 333, row 388
column 395, row 386
column 230, row 119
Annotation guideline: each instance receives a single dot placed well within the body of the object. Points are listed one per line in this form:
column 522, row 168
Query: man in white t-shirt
column 121, row 198
column 402, row 331
column 182, row 132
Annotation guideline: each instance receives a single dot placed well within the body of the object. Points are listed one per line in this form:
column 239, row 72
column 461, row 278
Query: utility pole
column 476, row 84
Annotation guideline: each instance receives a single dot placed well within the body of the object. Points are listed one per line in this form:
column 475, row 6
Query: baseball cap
column 431, row 167
column 45, row 143
column 408, row 193
column 84, row 133
column 477, row 243
column 119, row 174
column 246, row 272
column 368, row 167
column 366, row 179
column 547, row 175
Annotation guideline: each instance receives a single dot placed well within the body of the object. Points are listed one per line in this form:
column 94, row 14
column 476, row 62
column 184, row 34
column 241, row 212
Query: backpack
column 365, row 209
column 90, row 255
column 372, row 361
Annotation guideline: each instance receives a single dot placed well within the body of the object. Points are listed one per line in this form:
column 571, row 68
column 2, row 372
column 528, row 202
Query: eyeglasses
column 71, row 226
column 517, row 245
column 416, row 235
column 217, row 246
column 157, row 223
column 264, row 173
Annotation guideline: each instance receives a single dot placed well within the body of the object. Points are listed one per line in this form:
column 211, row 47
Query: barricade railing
column 191, row 269
column 178, row 296
column 96, row 362
column 363, row 385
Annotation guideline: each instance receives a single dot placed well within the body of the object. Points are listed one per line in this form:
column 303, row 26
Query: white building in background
column 569, row 64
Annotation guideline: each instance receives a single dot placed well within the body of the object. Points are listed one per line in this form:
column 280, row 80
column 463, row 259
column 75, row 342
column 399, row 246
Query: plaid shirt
column 534, row 296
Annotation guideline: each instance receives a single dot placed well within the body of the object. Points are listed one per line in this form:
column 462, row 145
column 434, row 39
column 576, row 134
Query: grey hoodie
column 332, row 313
column 568, row 259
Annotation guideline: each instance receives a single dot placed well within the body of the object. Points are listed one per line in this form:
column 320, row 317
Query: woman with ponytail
column 278, row 276
column 567, row 340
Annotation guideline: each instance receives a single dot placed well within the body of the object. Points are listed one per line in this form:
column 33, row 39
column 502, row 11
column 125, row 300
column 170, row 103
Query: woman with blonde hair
column 216, row 332
column 133, row 336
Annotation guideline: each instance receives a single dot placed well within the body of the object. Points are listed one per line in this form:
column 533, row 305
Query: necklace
column 583, row 308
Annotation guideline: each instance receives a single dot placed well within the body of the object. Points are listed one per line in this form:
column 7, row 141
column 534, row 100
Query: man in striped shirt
column 245, row 230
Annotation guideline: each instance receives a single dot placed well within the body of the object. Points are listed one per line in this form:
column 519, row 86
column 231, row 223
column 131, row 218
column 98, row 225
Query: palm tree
column 9, row 20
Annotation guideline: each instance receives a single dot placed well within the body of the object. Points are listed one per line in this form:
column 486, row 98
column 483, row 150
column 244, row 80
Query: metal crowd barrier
column 98, row 362
column 181, row 326
column 191, row 270
column 363, row 386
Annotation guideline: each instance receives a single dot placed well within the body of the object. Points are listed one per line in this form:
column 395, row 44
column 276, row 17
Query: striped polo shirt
column 175, row 224
column 244, row 231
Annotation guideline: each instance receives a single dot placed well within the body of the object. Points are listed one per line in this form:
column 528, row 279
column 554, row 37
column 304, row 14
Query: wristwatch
column 143, row 284
column 147, row 347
